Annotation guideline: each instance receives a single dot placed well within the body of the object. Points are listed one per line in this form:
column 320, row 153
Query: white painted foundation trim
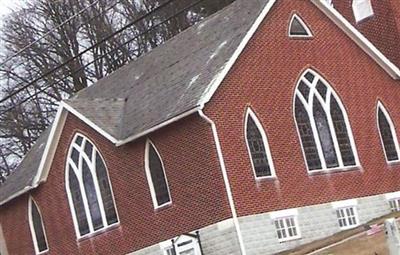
column 344, row 203
column 393, row 195
column 226, row 180
column 284, row 213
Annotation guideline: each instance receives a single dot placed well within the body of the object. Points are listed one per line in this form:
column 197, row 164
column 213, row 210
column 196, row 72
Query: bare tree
column 68, row 54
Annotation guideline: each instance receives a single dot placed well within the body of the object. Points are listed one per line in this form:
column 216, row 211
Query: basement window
column 394, row 204
column 182, row 245
column 286, row 224
column 362, row 9
column 347, row 217
column 298, row 28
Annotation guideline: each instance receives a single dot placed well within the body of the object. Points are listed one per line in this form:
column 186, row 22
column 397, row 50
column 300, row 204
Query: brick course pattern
column 265, row 77
column 194, row 175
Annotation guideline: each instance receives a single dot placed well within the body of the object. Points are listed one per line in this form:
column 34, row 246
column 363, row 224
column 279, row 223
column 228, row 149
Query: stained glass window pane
column 325, row 136
column 257, row 149
column 307, row 137
column 89, row 149
column 304, row 90
column 39, row 229
column 342, row 134
column 105, row 190
column 91, row 197
column 387, row 137
column 158, row 177
column 78, row 203
column 321, row 88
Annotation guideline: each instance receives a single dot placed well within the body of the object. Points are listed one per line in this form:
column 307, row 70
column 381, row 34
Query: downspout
column 226, row 180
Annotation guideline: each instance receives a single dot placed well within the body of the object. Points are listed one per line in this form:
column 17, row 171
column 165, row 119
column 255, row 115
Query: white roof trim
column 329, row 11
column 358, row 38
column 88, row 122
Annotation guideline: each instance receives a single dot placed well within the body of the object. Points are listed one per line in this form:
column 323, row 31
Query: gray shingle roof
column 160, row 85
column 172, row 78
column 25, row 173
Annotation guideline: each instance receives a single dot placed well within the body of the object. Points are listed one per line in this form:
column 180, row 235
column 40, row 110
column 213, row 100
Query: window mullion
column 92, row 167
column 309, row 109
column 83, row 192
column 327, row 108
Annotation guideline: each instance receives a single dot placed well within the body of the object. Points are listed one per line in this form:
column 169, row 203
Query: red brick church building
column 266, row 126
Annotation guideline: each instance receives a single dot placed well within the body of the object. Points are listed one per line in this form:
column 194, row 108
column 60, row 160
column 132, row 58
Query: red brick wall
column 383, row 29
column 193, row 174
column 265, row 77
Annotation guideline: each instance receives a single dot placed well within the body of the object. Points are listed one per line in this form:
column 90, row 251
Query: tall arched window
column 156, row 177
column 257, row 146
column 388, row 134
column 88, row 187
column 323, row 126
column 37, row 227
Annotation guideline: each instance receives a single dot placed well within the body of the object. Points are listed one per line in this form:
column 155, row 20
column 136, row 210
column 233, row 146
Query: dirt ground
column 362, row 245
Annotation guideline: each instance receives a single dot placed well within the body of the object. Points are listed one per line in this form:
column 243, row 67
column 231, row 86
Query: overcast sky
column 6, row 4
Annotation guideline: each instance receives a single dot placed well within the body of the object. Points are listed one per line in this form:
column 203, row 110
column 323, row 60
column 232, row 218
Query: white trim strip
column 228, row 66
column 358, row 38
column 392, row 195
column 284, row 213
column 226, row 181
column 89, row 122
column 163, row 124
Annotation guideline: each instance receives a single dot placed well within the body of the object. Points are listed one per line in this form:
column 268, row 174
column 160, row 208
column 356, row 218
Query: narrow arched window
column 257, row 146
column 388, row 134
column 323, row 126
column 88, row 187
column 156, row 177
column 37, row 228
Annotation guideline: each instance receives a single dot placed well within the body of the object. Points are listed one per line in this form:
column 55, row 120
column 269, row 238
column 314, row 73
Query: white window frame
column 393, row 197
column 167, row 245
column 326, row 106
column 343, row 205
column 359, row 14
column 392, row 130
column 3, row 243
column 78, row 174
column 283, row 215
column 304, row 25
column 150, row 180
column 250, row 113
column 32, row 227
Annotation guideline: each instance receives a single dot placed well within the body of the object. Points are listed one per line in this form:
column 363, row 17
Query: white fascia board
column 393, row 195
column 162, row 124
column 51, row 146
column 89, row 122
column 228, row 66
column 358, row 38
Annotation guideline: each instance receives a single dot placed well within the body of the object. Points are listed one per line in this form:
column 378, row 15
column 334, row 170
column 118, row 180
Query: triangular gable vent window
column 297, row 28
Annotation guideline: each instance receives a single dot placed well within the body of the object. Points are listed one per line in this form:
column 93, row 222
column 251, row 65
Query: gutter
column 19, row 193
column 226, row 181
column 156, row 127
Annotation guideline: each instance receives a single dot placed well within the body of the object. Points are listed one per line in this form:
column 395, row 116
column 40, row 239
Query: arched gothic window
column 88, row 187
column 323, row 126
column 156, row 177
column 388, row 134
column 37, row 227
column 257, row 146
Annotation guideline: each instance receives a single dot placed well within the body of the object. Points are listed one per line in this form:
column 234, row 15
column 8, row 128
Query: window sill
column 334, row 170
column 266, row 178
column 301, row 37
column 163, row 207
column 393, row 162
column 349, row 227
column 98, row 232
column 289, row 239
